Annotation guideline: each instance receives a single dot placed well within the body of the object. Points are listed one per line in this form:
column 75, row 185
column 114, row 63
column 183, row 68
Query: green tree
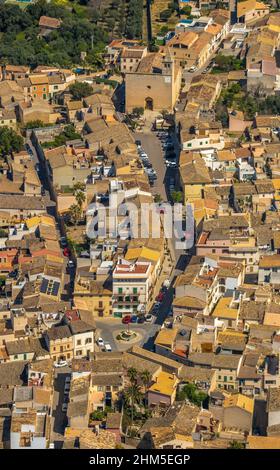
column 165, row 14
column 138, row 111
column 133, row 396
column 80, row 198
column 157, row 198
column 132, row 375
column 186, row 10
column 146, row 378
column 74, row 214
column 80, row 90
column 10, row 141
column 191, row 392
column 177, row 196
column 236, row 445
column 34, row 124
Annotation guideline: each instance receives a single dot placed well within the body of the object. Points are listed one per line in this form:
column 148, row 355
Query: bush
column 165, row 14
column 34, row 124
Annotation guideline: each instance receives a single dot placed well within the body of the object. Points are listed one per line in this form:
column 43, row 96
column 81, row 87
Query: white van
column 107, row 347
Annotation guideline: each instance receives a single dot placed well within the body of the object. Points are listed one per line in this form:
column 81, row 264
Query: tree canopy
column 10, row 141
column 21, row 43
column 80, row 90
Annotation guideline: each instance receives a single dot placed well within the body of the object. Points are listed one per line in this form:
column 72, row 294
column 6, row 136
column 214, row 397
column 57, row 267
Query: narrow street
column 58, row 417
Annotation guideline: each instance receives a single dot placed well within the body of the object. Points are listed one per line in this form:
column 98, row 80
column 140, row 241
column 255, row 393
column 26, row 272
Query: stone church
column 155, row 84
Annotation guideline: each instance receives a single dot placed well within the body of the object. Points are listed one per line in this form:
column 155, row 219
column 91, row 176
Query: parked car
column 60, row 364
column 126, row 319
column 66, row 252
column 134, row 319
column 107, row 347
column 193, row 69
column 138, row 143
column 13, row 274
column 141, row 319
column 171, row 164
column 183, row 332
column 63, row 242
column 159, row 297
column 68, row 380
column 71, row 264
column 64, row 407
column 157, row 305
column 148, row 318
column 100, row 342
column 66, row 389
column 147, row 164
column 143, row 155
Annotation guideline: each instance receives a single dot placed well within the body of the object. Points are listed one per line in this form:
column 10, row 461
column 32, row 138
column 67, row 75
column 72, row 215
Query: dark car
column 141, row 319
column 134, row 319
column 138, row 142
column 13, row 274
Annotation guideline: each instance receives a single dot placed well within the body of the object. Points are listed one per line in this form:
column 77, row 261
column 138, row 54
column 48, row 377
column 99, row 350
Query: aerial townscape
column 139, row 224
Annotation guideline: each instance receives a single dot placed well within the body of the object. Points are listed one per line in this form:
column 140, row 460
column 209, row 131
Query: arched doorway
column 149, row 104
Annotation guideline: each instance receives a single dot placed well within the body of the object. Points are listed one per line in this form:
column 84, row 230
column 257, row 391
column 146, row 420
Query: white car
column 193, row 69
column 64, row 408
column 100, row 342
column 60, row 364
column 148, row 318
column 171, row 164
column 71, row 264
column 66, row 389
column 107, row 347
column 68, row 380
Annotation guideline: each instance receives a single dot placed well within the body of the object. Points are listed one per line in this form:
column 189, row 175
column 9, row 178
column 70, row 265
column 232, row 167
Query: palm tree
column 132, row 375
column 146, row 378
column 80, row 198
column 133, row 395
column 74, row 213
column 79, row 186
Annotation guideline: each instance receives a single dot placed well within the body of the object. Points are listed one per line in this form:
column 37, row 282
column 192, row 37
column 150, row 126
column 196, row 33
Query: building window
column 120, row 290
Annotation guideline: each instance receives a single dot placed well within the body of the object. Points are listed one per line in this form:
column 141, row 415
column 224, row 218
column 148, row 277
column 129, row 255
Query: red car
column 160, row 297
column 126, row 319
column 66, row 252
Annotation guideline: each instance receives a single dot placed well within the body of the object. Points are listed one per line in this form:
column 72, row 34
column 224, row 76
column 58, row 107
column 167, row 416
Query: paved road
column 58, row 418
column 152, row 146
column 108, row 328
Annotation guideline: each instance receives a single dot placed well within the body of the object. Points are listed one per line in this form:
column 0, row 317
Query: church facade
column 155, row 85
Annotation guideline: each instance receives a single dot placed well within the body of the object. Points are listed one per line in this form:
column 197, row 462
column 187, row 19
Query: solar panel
column 44, row 286
column 55, row 288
